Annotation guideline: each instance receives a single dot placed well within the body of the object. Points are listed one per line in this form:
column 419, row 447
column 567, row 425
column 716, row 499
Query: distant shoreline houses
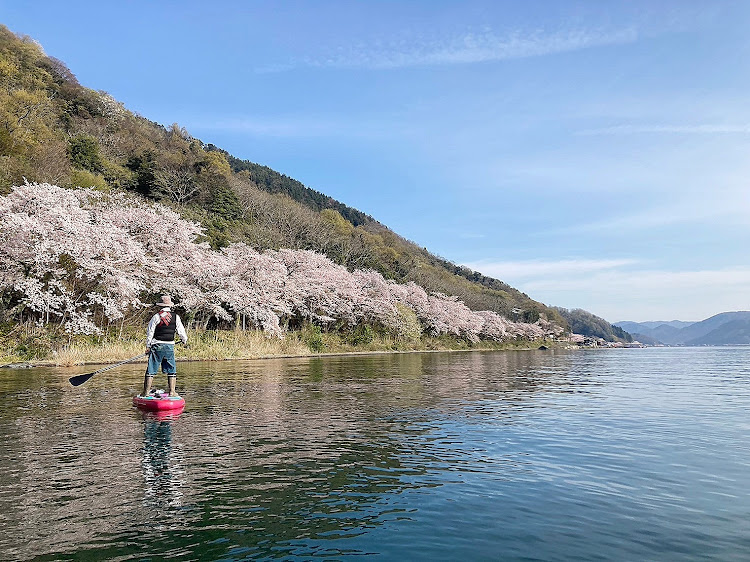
column 590, row 341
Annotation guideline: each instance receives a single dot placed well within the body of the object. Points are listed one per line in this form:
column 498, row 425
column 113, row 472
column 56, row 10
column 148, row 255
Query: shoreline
column 543, row 346
column 38, row 347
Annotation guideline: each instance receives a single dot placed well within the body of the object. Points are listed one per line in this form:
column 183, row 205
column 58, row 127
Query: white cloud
column 647, row 280
column 467, row 48
column 616, row 290
column 535, row 268
column 720, row 206
column 731, row 212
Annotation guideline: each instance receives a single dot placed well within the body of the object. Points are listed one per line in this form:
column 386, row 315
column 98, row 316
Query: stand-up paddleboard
column 159, row 401
column 160, row 415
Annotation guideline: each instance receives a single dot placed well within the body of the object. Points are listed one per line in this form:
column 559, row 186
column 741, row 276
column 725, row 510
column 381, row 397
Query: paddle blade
column 80, row 379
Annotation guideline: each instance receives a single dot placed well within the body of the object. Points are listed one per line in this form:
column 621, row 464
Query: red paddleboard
column 160, row 415
column 159, row 402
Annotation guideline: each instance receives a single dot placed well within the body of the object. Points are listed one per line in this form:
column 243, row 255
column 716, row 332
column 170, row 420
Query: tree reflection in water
column 302, row 457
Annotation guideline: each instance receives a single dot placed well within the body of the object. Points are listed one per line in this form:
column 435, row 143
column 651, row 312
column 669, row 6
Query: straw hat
column 166, row 300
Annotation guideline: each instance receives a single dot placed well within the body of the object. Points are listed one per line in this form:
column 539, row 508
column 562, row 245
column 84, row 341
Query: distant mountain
column 648, row 327
column 734, row 332
column 726, row 328
column 644, row 339
column 720, row 329
column 672, row 323
column 666, row 333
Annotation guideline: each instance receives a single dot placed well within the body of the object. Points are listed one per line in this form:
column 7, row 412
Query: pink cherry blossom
column 83, row 259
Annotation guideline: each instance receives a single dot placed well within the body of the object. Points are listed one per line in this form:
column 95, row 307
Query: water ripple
column 603, row 455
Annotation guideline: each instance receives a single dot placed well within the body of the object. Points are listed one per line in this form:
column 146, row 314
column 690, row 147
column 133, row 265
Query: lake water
column 637, row 454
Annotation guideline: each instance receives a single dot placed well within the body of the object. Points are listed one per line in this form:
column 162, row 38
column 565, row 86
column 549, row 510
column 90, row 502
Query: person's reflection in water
column 161, row 466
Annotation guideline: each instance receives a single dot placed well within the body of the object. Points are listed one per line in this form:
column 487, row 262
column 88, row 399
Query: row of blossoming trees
column 84, row 259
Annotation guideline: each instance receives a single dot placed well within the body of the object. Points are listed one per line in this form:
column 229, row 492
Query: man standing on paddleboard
column 160, row 345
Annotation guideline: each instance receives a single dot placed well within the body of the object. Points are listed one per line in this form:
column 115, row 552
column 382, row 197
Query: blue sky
column 592, row 154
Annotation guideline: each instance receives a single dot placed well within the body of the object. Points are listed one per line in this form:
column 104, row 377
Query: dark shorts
column 161, row 354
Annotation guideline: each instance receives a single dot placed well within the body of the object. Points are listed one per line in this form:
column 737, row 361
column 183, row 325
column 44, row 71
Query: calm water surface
column 544, row 455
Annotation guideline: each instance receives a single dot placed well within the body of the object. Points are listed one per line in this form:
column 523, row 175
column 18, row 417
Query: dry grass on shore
column 208, row 345
column 216, row 345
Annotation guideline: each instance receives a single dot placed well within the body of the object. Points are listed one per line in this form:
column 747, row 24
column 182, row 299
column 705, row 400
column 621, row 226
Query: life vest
column 166, row 327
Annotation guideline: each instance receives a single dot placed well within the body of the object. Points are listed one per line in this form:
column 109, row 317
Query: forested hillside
column 54, row 130
column 587, row 324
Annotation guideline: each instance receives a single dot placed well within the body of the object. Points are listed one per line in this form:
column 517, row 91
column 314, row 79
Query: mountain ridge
column 725, row 328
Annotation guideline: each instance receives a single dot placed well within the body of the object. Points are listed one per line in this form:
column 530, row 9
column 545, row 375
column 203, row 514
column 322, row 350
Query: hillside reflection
column 269, row 458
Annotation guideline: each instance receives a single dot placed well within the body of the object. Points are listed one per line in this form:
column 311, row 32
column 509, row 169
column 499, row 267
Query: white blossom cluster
column 110, row 107
column 73, row 256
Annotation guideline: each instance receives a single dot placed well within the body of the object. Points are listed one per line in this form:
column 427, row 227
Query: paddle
column 80, row 379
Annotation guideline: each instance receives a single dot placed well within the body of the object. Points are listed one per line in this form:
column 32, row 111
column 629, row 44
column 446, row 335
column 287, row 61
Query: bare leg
column 147, row 380
column 172, row 382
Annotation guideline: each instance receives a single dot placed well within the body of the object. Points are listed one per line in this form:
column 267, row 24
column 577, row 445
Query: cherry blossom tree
column 64, row 261
column 83, row 259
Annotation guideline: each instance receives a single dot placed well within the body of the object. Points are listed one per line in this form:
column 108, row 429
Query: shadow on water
column 419, row 456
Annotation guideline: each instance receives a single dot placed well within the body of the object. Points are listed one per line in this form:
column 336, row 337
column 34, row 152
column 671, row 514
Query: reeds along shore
column 37, row 347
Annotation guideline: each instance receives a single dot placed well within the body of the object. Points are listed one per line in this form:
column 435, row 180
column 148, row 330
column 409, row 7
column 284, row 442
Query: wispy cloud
column 620, row 289
column 668, row 129
column 538, row 268
column 467, row 48
column 288, row 126
column 727, row 208
column 642, row 282
column 587, row 274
